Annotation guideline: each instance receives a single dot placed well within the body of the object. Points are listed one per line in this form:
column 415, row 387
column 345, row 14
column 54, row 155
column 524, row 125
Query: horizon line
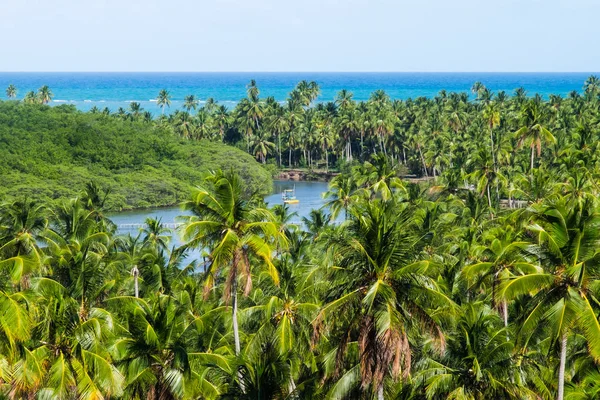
column 298, row 72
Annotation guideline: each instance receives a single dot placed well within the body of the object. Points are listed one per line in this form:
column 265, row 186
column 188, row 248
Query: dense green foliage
column 52, row 152
column 420, row 293
column 495, row 138
column 446, row 289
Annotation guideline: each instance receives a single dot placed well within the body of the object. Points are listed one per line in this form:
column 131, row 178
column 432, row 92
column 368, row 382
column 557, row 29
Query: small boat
column 289, row 196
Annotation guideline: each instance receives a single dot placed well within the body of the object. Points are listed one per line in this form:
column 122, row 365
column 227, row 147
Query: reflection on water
column 309, row 194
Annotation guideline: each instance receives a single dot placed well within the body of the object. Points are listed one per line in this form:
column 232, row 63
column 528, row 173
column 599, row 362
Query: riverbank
column 305, row 175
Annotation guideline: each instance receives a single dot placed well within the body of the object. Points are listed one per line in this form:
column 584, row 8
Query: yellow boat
column 289, row 196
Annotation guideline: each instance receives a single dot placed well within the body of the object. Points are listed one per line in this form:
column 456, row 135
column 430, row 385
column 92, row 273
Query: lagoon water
column 309, row 194
column 114, row 90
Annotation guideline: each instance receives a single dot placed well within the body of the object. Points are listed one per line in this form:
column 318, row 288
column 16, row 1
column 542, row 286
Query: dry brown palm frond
column 367, row 344
column 341, row 352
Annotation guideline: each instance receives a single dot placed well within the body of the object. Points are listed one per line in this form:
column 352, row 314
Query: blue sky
column 300, row 35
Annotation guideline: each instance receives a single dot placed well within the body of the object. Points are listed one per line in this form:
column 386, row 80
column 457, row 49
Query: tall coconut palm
column 284, row 315
column 533, row 132
column 236, row 233
column 492, row 117
column 45, row 94
column 381, row 291
column 74, row 347
column 22, row 224
column 592, row 85
column 222, row 120
column 30, row 98
column 559, row 293
column 190, row 103
column 478, row 363
column 500, row 255
column 262, row 146
column 163, row 100
column 135, row 109
column 11, row 91
column 278, row 123
column 156, row 351
column 343, row 191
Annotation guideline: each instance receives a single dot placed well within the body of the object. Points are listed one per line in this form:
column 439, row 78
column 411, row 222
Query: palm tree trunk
column 494, row 162
column 326, row 161
column 383, row 145
column 423, row 161
column 532, row 156
column 236, row 332
column 493, row 154
column 403, row 155
column 497, row 194
column 489, row 200
column 349, row 158
column 505, row 312
column 234, row 305
column 561, row 368
column 290, row 159
column 362, row 134
column 292, row 386
column 279, row 148
column 135, row 272
column 380, row 392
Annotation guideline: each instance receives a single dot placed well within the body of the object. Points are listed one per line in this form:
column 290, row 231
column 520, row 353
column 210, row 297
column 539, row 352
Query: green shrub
column 52, row 152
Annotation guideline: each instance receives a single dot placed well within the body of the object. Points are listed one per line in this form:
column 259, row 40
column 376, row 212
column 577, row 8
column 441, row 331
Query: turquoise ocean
column 114, row 90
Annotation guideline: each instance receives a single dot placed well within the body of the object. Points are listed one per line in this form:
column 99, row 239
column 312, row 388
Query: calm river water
column 309, row 194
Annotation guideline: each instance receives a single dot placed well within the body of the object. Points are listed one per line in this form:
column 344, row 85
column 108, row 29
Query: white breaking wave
column 87, row 101
column 59, row 101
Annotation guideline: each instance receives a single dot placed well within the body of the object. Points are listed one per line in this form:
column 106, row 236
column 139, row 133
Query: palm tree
column 30, row 98
column 155, row 234
column 558, row 292
column 184, row 124
column 45, row 95
column 190, row 103
column 262, row 146
column 163, row 100
column 477, row 88
column 11, row 91
column 381, row 291
column 278, row 123
column 22, row 226
column 222, row 120
column 592, row 86
column 155, row 350
column 500, row 255
column 492, row 117
column 235, row 233
column 73, row 347
column 249, row 113
column 532, row 131
column 135, row 109
column 284, row 315
column 343, row 192
column 478, row 362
